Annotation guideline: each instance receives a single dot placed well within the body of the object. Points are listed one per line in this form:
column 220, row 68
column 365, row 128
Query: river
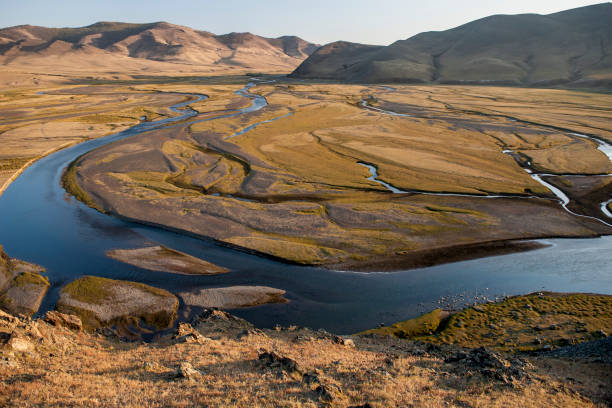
column 41, row 223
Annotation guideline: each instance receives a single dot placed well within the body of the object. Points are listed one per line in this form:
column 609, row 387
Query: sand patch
column 233, row 297
column 162, row 259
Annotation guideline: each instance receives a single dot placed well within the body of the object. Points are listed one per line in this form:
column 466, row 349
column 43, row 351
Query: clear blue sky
column 321, row 21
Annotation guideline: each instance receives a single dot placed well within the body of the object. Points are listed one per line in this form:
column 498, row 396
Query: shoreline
column 23, row 168
column 56, row 149
column 429, row 257
column 415, row 260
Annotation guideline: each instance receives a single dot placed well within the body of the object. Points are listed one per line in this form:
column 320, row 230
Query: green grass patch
column 423, row 325
column 94, row 289
column 30, row 278
column 89, row 289
column 71, row 185
column 520, row 323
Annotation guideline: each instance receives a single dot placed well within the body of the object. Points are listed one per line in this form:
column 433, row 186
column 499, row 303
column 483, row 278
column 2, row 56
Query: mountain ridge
column 572, row 46
column 159, row 42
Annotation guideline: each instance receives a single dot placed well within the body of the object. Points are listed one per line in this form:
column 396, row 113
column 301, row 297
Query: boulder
column 272, row 360
column 214, row 321
column 101, row 302
column 19, row 344
column 187, row 334
column 342, row 341
column 328, row 393
column 211, row 314
column 186, row 371
column 68, row 321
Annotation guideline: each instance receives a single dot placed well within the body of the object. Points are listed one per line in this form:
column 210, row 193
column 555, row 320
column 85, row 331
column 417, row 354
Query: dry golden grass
column 34, row 124
column 306, row 195
column 65, row 368
column 293, row 188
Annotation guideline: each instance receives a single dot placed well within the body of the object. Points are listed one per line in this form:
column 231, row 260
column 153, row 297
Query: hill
column 573, row 46
column 123, row 47
column 219, row 360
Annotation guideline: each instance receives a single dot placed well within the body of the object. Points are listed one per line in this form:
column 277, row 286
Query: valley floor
column 365, row 177
column 294, row 180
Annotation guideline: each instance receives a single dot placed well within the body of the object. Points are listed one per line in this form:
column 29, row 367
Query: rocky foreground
column 542, row 349
column 219, row 360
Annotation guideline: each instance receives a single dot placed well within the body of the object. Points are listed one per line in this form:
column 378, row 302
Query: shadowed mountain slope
column 573, row 46
column 108, row 44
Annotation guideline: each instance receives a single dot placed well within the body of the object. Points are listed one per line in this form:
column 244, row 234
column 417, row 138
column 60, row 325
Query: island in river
column 161, row 258
column 452, row 172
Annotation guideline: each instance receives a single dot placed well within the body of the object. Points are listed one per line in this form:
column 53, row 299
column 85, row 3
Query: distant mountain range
column 569, row 47
column 120, row 46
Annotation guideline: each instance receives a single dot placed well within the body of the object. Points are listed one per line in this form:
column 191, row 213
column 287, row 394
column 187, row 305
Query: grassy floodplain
column 295, row 188
column 57, row 112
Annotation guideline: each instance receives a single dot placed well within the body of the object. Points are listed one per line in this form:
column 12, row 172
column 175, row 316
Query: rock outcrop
column 491, row 364
column 103, row 302
column 68, row 321
column 44, row 364
column 22, row 287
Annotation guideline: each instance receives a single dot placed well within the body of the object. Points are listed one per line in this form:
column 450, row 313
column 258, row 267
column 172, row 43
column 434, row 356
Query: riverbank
column 440, row 256
column 17, row 173
column 537, row 322
column 37, row 122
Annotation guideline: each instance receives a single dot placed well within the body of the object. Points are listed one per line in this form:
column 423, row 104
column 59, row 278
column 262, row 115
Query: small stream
column 564, row 200
column 604, row 208
column 374, row 178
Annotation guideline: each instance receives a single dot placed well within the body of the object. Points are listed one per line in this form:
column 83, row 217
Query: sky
column 320, row 21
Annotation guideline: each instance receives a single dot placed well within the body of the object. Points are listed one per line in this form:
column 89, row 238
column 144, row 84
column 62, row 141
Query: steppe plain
column 295, row 186
column 297, row 189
